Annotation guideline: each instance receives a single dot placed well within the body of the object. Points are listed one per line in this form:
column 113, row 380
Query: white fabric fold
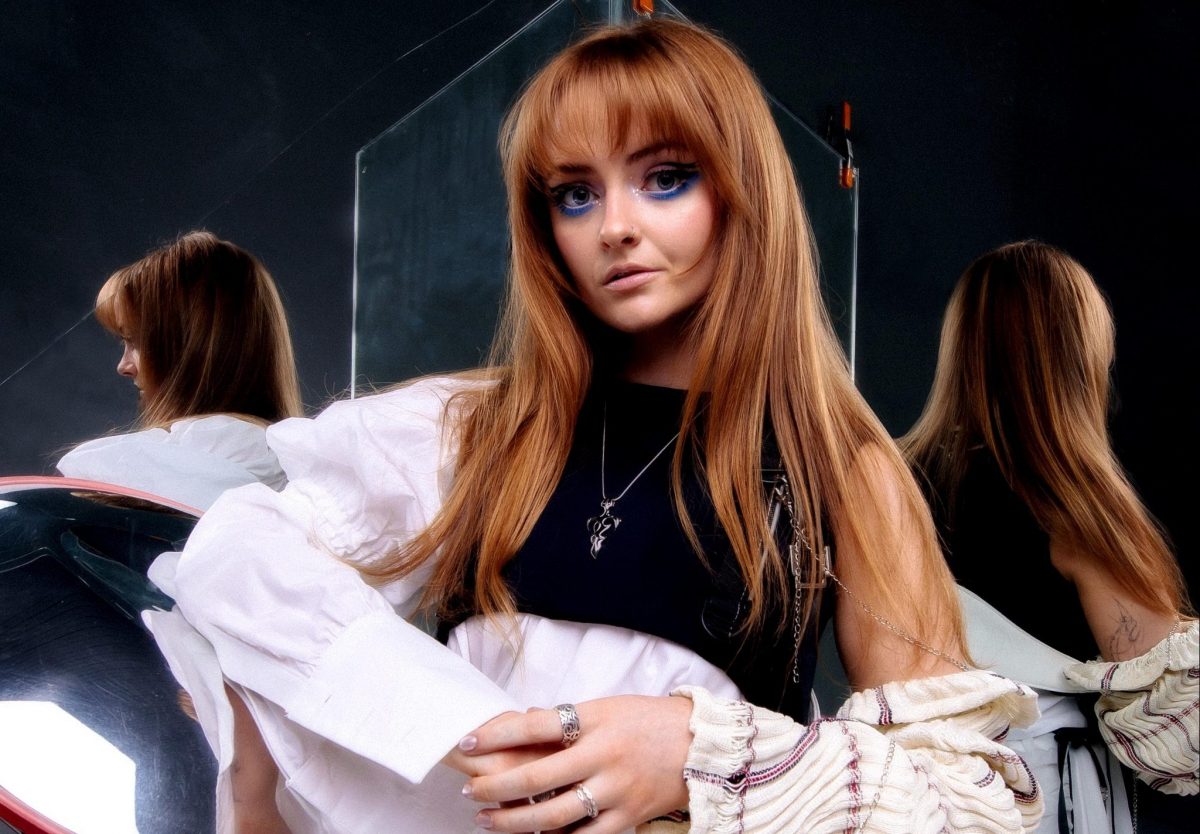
column 999, row 644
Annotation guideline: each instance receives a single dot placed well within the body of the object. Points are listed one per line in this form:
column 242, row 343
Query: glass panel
column 431, row 244
column 833, row 213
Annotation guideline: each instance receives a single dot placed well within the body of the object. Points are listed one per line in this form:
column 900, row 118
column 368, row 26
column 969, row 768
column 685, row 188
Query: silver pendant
column 600, row 526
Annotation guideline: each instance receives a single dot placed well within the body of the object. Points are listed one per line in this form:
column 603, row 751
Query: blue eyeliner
column 574, row 212
column 558, row 195
column 688, row 176
column 685, row 176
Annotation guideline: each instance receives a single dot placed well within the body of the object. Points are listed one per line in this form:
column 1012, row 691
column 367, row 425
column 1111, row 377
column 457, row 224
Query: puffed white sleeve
column 267, row 579
column 915, row 757
column 1148, row 709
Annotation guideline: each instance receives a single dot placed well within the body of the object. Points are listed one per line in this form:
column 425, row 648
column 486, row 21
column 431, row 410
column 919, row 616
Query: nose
column 125, row 365
column 620, row 227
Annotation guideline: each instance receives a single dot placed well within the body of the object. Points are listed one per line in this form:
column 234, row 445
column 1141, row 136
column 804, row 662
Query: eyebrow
column 642, row 153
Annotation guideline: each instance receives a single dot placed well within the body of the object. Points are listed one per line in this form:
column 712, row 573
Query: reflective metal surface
column 92, row 734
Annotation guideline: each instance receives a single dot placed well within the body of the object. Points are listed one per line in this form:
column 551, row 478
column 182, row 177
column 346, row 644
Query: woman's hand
column 473, row 760
column 630, row 757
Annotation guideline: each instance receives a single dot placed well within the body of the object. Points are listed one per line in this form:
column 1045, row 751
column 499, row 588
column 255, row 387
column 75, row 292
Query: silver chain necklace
column 602, row 525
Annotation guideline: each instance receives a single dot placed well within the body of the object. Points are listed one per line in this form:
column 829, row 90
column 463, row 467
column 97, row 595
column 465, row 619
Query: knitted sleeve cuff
column 1148, row 710
column 751, row 769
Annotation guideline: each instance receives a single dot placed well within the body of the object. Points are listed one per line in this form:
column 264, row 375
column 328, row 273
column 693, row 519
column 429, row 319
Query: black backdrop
column 976, row 123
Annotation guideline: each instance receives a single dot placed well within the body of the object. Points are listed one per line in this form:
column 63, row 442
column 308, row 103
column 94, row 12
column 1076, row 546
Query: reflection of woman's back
column 996, row 547
column 1039, row 521
column 207, row 345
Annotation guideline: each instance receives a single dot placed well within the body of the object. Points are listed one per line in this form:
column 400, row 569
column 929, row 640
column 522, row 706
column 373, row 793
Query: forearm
column 253, row 776
column 913, row 757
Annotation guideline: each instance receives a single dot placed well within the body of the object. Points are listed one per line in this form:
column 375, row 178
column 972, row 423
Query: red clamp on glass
column 846, row 169
column 837, row 135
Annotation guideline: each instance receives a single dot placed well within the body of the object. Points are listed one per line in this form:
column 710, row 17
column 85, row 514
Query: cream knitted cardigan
column 927, row 755
column 1148, row 710
column 907, row 757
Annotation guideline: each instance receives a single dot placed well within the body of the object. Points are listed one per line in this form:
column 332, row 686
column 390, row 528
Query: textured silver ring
column 569, row 718
column 589, row 801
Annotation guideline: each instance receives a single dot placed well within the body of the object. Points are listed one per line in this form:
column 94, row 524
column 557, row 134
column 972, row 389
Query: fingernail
column 467, row 792
column 483, row 819
column 468, row 744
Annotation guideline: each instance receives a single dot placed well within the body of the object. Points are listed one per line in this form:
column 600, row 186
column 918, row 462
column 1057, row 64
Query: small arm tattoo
column 1126, row 634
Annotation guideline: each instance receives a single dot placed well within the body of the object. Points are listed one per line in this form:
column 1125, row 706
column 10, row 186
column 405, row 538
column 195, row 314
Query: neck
column 662, row 359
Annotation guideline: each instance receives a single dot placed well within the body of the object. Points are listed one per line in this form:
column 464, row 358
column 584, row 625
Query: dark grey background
column 976, row 123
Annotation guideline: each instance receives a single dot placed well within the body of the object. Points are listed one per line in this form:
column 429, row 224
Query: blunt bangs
column 605, row 94
column 112, row 305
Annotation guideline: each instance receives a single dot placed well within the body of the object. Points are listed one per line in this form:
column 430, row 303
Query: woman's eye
column 671, row 181
column 572, row 199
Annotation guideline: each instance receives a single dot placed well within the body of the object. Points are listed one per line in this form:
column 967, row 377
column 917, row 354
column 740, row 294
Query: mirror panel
column 59, row 394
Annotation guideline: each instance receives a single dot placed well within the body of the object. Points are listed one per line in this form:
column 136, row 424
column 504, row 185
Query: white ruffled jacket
column 191, row 462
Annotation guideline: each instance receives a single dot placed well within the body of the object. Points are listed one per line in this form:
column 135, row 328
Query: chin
column 650, row 322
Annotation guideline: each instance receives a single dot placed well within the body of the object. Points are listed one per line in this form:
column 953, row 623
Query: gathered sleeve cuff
column 391, row 693
column 269, row 580
column 1148, row 710
column 915, row 756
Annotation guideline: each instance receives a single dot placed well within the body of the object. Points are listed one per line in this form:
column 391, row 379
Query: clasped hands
column 628, row 761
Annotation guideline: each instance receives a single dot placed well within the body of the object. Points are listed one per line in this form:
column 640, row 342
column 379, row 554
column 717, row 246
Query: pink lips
column 627, row 276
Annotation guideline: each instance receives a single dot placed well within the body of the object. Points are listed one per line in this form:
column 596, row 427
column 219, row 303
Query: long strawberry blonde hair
column 211, row 329
column 762, row 340
column 1023, row 371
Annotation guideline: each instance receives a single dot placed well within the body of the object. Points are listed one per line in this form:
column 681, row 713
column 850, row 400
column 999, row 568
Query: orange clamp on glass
column 643, row 7
column 846, row 170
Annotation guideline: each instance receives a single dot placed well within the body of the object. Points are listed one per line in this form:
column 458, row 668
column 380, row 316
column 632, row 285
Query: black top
column 646, row 576
column 996, row 548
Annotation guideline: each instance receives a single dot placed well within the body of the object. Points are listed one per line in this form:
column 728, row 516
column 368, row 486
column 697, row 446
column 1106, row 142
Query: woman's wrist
column 682, row 718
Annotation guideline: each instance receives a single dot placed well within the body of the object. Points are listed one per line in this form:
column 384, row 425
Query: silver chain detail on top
column 602, row 525
column 798, row 542
column 887, row 766
column 903, row 635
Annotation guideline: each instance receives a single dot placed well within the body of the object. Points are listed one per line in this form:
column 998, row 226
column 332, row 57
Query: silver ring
column 589, row 801
column 569, row 718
